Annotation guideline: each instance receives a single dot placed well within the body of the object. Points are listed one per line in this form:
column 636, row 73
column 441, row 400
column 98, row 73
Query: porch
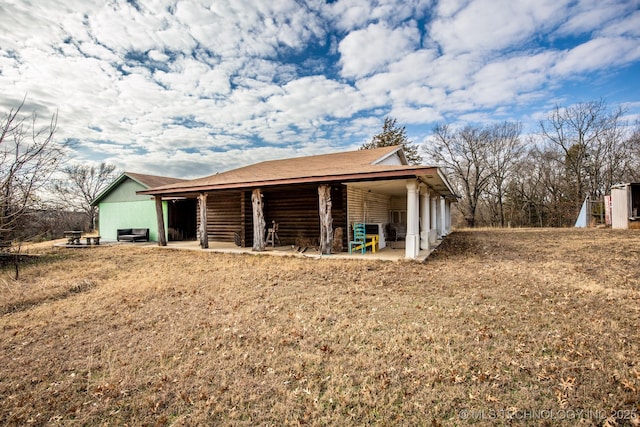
column 386, row 254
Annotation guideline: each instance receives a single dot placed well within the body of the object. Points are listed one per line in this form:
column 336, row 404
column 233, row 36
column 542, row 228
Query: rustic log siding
column 294, row 208
column 247, row 220
column 339, row 211
column 224, row 215
column 296, row 212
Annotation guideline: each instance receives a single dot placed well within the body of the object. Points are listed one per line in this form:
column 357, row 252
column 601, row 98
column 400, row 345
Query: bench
column 133, row 235
column 93, row 240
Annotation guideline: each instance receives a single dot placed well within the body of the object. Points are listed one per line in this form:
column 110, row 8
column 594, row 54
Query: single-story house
column 315, row 200
column 625, row 206
column 121, row 208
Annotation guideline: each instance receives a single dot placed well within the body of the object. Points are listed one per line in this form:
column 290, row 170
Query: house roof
column 347, row 166
column 147, row 181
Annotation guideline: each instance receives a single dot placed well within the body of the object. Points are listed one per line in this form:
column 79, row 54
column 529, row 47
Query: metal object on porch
column 272, row 234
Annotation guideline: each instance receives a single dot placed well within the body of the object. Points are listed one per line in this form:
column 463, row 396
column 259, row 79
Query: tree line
column 41, row 192
column 541, row 179
column 503, row 177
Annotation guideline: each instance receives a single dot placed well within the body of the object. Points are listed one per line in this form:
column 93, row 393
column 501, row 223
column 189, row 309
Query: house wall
column 126, row 192
column 123, row 208
column 224, row 215
column 391, row 160
column 247, row 219
column 129, row 214
column 366, row 206
column 295, row 209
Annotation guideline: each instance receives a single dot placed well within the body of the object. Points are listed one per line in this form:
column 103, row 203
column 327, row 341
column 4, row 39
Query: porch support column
column 326, row 220
column 424, row 217
column 443, row 214
column 412, row 243
column 202, row 204
column 433, row 230
column 162, row 237
column 258, row 220
column 438, row 217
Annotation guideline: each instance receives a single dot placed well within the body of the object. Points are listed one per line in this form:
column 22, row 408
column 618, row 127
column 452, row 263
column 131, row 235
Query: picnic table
column 73, row 237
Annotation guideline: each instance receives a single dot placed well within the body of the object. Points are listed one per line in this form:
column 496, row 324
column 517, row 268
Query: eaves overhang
column 405, row 173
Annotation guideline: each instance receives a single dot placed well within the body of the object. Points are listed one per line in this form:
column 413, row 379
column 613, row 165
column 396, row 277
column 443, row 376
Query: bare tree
column 581, row 132
column 29, row 156
column 504, row 151
column 82, row 185
column 394, row 135
column 632, row 147
column 464, row 155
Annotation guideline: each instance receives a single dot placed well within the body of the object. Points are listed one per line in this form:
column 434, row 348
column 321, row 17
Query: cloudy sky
column 186, row 89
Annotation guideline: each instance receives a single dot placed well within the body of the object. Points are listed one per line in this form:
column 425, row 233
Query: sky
column 190, row 88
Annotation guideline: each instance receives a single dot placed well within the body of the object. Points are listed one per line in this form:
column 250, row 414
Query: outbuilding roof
column 147, row 181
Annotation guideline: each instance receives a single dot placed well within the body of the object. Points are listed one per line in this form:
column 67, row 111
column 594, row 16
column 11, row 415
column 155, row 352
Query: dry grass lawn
column 523, row 327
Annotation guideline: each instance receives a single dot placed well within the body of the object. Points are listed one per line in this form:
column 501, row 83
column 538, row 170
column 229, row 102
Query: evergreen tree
column 393, row 135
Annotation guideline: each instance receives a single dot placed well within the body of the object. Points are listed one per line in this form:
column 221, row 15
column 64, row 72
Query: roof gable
column 146, row 181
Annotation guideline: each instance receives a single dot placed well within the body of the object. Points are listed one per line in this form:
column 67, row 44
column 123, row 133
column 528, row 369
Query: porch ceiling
column 398, row 187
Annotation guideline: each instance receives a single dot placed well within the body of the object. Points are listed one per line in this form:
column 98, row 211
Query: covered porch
column 315, row 201
column 386, row 254
column 409, row 217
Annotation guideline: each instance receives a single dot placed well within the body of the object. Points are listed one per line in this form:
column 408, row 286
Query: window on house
column 397, row 217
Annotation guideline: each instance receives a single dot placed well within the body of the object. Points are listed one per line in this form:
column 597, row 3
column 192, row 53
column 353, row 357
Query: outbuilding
column 625, row 206
column 120, row 207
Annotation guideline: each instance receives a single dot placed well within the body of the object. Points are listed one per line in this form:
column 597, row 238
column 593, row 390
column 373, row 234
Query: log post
column 162, row 237
column 326, row 220
column 204, row 238
column 258, row 220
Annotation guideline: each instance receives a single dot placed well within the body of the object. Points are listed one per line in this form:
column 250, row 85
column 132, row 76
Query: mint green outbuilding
column 120, row 207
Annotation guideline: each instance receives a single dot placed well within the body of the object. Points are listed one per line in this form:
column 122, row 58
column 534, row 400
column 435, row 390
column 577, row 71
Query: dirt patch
column 524, row 327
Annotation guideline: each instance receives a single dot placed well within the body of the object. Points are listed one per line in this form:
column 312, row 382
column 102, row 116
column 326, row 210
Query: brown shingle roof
column 350, row 166
column 298, row 169
column 151, row 181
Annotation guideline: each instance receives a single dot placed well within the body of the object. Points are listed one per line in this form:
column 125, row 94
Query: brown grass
column 525, row 327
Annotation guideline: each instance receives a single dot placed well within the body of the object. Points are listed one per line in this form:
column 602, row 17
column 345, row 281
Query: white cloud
column 350, row 15
column 589, row 15
column 489, row 25
column 366, row 51
column 416, row 115
column 505, row 80
column 598, row 54
column 628, row 25
column 253, row 80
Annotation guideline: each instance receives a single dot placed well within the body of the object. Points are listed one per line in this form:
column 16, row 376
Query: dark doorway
column 635, row 200
column 182, row 219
